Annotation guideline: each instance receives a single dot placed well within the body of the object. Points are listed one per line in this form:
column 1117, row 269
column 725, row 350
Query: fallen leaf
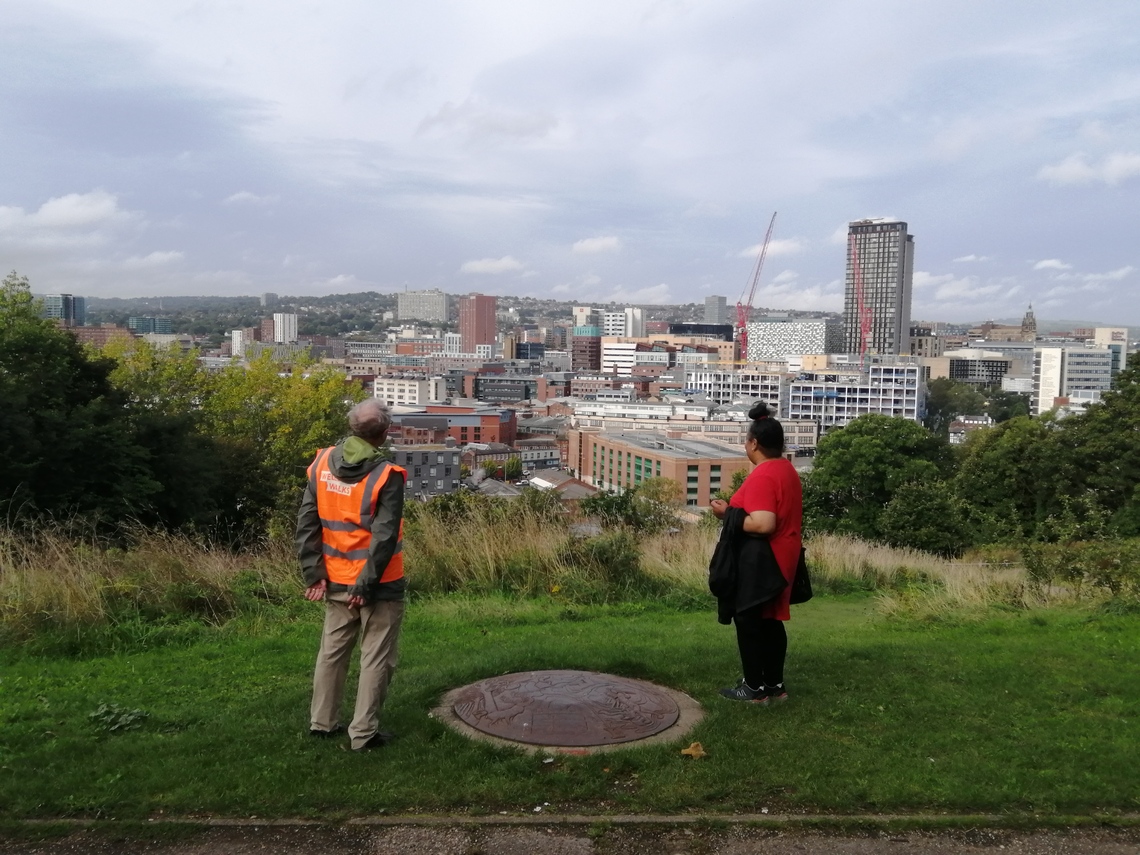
column 696, row 751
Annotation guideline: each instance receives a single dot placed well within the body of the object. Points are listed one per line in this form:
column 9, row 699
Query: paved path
column 578, row 836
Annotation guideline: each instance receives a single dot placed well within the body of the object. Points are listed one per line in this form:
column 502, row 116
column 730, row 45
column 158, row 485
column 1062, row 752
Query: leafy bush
column 1113, row 566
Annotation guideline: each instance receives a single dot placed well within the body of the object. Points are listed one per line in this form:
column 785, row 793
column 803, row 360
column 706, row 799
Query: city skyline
column 580, row 151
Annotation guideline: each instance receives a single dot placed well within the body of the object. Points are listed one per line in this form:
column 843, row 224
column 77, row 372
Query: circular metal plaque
column 565, row 708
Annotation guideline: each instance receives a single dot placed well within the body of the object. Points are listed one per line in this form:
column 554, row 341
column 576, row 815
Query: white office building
column 409, row 391
column 834, row 396
column 1059, row 372
column 727, row 386
column 1116, row 340
column 629, row 322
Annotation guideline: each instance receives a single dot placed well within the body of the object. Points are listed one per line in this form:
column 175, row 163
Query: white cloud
column 344, row 283
column 1076, row 169
column 154, row 259
column 785, row 276
column 947, row 287
column 777, row 247
column 506, row 264
column 594, row 245
column 563, row 288
column 962, row 259
column 74, row 221
column 244, row 197
column 650, row 294
column 791, row 294
column 922, row 279
column 73, row 211
column 591, row 279
column 707, row 209
column 1111, row 276
column 481, row 122
column 1052, row 264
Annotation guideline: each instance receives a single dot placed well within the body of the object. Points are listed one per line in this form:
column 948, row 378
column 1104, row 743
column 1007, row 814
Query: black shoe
column 377, row 740
column 327, row 734
column 776, row 693
column 743, row 692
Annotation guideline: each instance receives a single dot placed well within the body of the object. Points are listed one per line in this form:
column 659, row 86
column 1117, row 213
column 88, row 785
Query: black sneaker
column 743, row 692
column 327, row 734
column 377, row 740
column 776, row 693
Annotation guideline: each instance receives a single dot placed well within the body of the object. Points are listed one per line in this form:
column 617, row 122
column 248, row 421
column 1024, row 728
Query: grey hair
column 370, row 420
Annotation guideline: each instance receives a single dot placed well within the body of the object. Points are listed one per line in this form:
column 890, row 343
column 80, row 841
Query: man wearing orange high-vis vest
column 350, row 541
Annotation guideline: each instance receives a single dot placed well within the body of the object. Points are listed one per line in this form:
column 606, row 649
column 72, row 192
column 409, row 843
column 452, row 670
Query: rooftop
column 668, row 447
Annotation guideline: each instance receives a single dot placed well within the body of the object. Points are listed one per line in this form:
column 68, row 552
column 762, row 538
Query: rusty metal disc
column 566, row 708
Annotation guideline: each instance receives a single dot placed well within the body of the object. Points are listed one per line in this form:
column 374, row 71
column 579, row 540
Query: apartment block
column 725, row 385
column 619, row 461
column 477, row 324
column 69, row 310
column 835, row 396
column 716, row 310
column 432, row 469
column 432, row 305
column 284, row 328
column 877, row 298
column 408, row 391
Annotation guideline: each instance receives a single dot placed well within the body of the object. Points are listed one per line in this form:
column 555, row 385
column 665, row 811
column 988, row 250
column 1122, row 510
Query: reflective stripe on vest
column 346, row 512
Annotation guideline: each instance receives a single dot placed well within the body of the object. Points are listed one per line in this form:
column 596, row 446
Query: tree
column 513, row 468
column 1010, row 478
column 649, row 507
column 1104, row 446
column 925, row 515
column 69, row 446
column 945, row 399
column 859, row 467
column 1001, row 406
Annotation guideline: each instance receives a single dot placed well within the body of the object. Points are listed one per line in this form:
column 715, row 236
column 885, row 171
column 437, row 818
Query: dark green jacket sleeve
column 309, row 540
column 385, row 537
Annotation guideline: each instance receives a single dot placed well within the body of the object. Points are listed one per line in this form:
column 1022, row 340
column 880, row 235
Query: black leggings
column 763, row 644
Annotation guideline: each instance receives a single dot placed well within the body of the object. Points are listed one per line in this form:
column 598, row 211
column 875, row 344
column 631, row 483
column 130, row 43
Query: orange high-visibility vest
column 346, row 512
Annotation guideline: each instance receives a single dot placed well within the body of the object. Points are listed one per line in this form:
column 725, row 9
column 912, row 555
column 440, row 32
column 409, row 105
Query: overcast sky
column 592, row 151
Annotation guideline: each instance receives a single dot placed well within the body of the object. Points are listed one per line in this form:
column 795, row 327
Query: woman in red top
column 772, row 496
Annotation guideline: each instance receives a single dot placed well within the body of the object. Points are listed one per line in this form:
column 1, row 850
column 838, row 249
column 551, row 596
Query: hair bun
column 759, row 411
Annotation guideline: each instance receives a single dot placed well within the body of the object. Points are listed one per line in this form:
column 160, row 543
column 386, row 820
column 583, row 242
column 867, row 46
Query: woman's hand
column 718, row 507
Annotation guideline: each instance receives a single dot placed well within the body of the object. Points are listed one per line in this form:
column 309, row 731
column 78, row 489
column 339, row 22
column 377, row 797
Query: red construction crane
column 744, row 310
column 861, row 304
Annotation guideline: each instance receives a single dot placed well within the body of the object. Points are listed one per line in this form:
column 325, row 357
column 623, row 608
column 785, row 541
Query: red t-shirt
column 774, row 486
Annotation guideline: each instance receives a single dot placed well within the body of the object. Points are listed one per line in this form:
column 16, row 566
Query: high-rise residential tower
column 69, row 310
column 284, row 328
column 876, row 303
column 477, row 321
column 716, row 310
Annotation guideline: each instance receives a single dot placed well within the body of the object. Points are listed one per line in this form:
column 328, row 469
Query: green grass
column 1019, row 712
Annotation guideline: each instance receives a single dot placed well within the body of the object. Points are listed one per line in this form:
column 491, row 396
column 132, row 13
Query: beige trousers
column 378, row 625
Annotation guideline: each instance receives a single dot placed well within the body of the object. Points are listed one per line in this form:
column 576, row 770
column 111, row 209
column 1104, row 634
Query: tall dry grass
column 918, row 584
column 53, row 579
column 907, row 582
column 485, row 551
